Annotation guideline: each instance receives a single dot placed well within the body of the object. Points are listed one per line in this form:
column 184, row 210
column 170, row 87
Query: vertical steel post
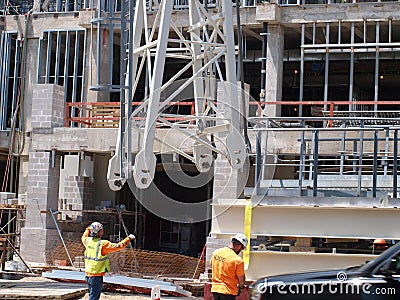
column 343, row 149
column 111, row 42
column 40, row 59
column 395, row 161
column 66, row 63
column 264, row 36
column 17, row 64
column 351, row 75
column 303, row 29
column 376, row 90
column 354, row 156
column 75, row 77
column 385, row 158
column 2, row 79
column 258, row 162
column 360, row 156
column 315, row 169
column 301, row 166
column 58, row 55
column 375, row 164
column 326, row 79
column 98, row 43
column 83, row 63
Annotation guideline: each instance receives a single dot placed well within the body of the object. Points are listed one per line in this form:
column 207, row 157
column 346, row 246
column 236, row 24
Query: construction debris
column 117, row 281
column 31, row 288
column 143, row 262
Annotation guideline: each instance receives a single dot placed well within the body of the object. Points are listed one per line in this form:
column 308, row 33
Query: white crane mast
column 208, row 41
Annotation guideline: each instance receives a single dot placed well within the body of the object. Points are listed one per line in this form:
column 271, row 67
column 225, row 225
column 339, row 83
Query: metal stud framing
column 9, row 74
column 62, row 61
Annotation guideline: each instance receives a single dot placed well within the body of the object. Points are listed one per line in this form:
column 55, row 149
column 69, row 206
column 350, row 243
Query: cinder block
column 6, row 195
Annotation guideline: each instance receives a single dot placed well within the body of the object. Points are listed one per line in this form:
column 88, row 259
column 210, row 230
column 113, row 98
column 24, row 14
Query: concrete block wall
column 47, row 106
column 42, row 194
column 228, row 182
column 214, row 243
column 78, row 194
column 37, row 244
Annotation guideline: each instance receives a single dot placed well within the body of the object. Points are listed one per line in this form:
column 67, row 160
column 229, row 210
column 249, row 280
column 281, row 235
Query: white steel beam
column 145, row 160
column 269, row 263
column 309, row 221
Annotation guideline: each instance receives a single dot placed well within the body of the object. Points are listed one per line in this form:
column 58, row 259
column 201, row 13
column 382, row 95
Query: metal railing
column 355, row 161
column 106, row 114
column 22, row 7
column 325, row 2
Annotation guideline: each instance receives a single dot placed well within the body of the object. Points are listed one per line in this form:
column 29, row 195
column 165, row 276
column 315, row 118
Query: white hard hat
column 95, row 227
column 241, row 238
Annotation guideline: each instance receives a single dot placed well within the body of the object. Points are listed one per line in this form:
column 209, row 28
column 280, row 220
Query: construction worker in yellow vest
column 97, row 262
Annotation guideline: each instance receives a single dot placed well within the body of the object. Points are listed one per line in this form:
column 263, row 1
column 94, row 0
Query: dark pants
column 95, row 284
column 218, row 296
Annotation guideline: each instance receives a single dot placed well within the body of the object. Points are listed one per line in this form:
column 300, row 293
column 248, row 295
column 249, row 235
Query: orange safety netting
column 141, row 262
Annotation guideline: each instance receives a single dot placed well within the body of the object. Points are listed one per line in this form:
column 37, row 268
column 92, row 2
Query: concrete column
column 92, row 69
column 40, row 235
column 43, row 176
column 274, row 69
column 47, row 106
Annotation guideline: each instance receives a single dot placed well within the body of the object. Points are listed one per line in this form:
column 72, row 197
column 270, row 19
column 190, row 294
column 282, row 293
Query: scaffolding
column 12, row 219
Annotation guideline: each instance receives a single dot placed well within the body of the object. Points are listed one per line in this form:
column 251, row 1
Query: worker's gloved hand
column 240, row 289
column 131, row 236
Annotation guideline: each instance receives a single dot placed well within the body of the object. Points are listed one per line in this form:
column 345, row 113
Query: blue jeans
column 95, row 284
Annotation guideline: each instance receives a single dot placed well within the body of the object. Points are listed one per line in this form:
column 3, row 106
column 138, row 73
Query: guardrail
column 106, row 114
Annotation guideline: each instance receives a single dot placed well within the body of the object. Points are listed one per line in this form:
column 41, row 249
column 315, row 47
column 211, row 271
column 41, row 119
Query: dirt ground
column 113, row 295
column 117, row 296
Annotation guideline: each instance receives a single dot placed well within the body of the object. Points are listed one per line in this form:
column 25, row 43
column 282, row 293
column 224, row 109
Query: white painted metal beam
column 269, row 263
column 309, row 221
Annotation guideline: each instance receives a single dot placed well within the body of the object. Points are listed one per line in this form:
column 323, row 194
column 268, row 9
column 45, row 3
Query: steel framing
column 376, row 43
column 52, row 69
column 9, row 77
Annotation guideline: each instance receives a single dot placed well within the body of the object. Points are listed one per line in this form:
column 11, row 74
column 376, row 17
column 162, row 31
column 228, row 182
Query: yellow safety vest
column 95, row 263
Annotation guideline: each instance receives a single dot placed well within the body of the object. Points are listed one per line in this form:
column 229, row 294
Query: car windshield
column 391, row 253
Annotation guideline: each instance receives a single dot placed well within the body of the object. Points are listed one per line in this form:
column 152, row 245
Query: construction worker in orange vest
column 227, row 268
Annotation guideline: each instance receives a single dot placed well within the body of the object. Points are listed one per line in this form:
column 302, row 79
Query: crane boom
column 207, row 42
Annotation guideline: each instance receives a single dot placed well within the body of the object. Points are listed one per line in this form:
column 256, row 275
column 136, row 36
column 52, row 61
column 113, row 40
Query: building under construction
column 115, row 111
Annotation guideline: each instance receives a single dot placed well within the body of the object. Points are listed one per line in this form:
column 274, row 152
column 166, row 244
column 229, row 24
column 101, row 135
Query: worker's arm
column 109, row 247
column 241, row 275
column 85, row 235
column 242, row 280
